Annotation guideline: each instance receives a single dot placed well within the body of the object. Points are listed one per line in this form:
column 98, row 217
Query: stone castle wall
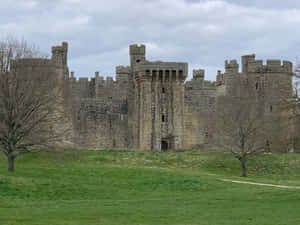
column 150, row 106
column 99, row 111
column 268, row 87
column 199, row 108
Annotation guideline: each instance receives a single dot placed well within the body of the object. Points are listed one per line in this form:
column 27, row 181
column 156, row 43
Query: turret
column 245, row 61
column 220, row 78
column 137, row 54
column 198, row 74
column 232, row 66
column 60, row 54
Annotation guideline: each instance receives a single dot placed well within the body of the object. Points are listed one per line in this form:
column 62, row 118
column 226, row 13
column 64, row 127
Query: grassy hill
column 134, row 188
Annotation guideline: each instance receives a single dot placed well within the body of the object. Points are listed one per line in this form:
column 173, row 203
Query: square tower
column 158, row 102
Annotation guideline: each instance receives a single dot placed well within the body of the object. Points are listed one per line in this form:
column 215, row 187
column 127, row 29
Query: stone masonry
column 150, row 106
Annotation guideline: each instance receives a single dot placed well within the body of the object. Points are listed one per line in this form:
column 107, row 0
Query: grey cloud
column 270, row 4
column 203, row 33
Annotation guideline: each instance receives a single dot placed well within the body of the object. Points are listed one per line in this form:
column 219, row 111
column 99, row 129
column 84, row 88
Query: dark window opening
column 164, row 145
column 167, row 73
column 160, row 74
column 256, row 86
column 138, row 60
column 271, row 108
column 268, row 146
column 206, row 134
column 163, row 90
column 163, row 118
column 180, row 74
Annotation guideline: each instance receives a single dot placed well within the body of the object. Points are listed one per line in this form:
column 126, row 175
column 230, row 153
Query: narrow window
column 271, row 108
column 163, row 118
column 163, row 90
column 256, row 85
column 180, row 74
column 160, row 74
column 206, row 134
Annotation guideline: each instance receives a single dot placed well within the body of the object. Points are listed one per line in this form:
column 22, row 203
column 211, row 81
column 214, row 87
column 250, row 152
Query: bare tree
column 11, row 48
column 241, row 129
column 28, row 103
column 294, row 105
column 289, row 105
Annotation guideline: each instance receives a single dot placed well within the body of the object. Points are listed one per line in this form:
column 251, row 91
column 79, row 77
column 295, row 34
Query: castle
column 152, row 107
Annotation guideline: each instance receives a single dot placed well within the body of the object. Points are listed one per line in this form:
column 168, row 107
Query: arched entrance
column 164, row 145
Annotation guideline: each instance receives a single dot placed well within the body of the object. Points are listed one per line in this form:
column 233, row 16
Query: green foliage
column 128, row 187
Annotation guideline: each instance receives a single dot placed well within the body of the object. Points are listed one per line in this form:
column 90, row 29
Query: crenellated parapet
column 198, row 82
column 31, row 62
column 251, row 65
column 123, row 69
column 232, row 66
column 97, row 87
column 198, row 74
column 122, row 73
column 162, row 71
column 105, row 81
column 220, row 78
column 137, row 49
column 272, row 66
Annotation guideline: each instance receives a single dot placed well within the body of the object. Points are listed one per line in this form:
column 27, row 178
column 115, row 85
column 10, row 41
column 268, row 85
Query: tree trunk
column 11, row 163
column 244, row 169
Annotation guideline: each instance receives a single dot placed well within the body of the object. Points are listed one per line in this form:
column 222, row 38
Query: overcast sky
column 202, row 33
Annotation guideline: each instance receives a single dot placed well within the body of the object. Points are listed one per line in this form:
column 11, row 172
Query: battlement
column 272, row 66
column 62, row 48
column 105, row 81
column 245, row 61
column 83, row 80
column 162, row 71
column 232, row 66
column 198, row 74
column 194, row 84
column 137, row 49
column 100, row 79
column 251, row 65
column 122, row 69
column 220, row 78
column 29, row 62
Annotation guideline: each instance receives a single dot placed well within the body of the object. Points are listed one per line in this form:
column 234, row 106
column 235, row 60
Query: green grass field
column 134, row 188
